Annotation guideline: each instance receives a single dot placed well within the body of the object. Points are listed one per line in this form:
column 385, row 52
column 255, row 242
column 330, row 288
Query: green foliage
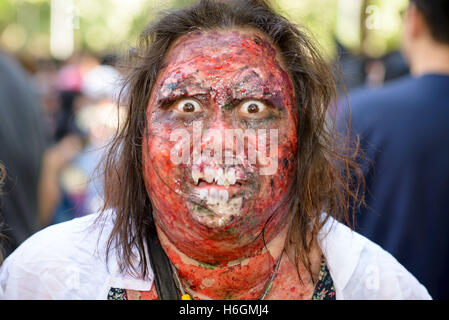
column 102, row 26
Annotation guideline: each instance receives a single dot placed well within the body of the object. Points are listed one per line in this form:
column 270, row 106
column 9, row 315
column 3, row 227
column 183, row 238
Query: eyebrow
column 252, row 74
column 272, row 97
column 191, row 79
column 254, row 79
column 182, row 87
column 165, row 102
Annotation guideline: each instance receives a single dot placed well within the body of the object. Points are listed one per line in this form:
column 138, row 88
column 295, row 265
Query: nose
column 213, row 139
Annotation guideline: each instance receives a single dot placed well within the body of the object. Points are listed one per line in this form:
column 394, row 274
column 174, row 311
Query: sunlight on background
column 56, row 28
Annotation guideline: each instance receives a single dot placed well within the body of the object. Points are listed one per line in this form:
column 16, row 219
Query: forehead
column 214, row 47
column 225, row 62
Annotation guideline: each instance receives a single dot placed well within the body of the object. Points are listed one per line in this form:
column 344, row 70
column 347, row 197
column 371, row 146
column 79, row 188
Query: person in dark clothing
column 22, row 143
column 404, row 133
column 2, row 179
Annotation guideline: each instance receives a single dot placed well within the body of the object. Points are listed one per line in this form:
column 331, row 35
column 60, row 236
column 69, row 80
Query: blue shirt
column 404, row 131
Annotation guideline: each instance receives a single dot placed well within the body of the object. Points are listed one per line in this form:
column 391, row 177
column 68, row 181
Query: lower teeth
column 214, row 196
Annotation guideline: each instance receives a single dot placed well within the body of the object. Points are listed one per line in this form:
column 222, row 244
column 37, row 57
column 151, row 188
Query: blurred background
column 69, row 50
column 47, row 34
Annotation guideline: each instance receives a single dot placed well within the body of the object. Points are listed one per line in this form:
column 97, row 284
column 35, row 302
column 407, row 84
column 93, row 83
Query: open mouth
column 218, row 190
column 214, row 185
column 211, row 193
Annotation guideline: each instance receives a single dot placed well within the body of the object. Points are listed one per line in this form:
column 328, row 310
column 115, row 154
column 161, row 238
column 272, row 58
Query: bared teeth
column 213, row 196
column 196, row 174
column 218, row 175
column 223, row 195
column 209, row 174
column 230, row 176
column 204, row 194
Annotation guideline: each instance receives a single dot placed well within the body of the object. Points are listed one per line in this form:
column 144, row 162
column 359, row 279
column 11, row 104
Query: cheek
column 158, row 168
column 275, row 195
column 276, row 186
column 163, row 180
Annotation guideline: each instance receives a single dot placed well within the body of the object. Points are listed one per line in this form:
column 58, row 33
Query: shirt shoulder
column 365, row 107
column 393, row 92
column 398, row 105
column 63, row 261
column 362, row 270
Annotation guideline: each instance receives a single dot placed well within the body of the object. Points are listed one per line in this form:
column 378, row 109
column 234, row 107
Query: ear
column 415, row 23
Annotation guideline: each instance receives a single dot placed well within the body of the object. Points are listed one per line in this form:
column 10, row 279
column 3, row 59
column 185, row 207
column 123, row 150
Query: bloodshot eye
column 253, row 109
column 187, row 106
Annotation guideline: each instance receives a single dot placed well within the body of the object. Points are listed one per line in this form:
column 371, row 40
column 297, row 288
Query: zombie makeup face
column 220, row 143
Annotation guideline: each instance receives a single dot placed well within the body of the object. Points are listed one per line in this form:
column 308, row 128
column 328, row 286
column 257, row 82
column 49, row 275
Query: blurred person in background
column 31, row 190
column 70, row 81
column 2, row 180
column 404, row 131
column 64, row 201
column 100, row 118
column 380, row 71
column 96, row 116
column 350, row 68
column 45, row 78
column 22, row 145
column 54, row 204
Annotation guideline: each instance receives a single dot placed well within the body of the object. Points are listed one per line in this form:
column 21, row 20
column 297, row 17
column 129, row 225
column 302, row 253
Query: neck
column 244, row 278
column 430, row 58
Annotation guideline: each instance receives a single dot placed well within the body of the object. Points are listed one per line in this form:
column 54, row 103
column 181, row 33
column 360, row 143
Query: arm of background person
column 54, row 160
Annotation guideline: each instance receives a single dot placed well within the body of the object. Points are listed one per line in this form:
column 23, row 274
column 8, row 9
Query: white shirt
column 67, row 261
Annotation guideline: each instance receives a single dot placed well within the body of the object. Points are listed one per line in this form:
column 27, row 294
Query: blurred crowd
column 59, row 131
column 81, row 114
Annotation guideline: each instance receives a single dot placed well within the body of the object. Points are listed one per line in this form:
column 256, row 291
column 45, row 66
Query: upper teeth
column 209, row 174
column 218, row 175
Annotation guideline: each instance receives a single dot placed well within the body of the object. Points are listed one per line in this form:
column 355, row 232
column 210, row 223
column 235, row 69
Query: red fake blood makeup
column 222, row 105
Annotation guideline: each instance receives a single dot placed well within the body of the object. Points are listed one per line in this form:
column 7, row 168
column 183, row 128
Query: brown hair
column 327, row 180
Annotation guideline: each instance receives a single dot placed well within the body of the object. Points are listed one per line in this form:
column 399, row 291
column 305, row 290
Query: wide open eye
column 187, row 106
column 253, row 109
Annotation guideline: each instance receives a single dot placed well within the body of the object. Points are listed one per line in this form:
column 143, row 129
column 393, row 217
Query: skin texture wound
column 214, row 219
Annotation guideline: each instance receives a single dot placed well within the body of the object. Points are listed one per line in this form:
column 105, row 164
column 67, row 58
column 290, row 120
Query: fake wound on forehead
column 224, row 40
column 246, row 83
